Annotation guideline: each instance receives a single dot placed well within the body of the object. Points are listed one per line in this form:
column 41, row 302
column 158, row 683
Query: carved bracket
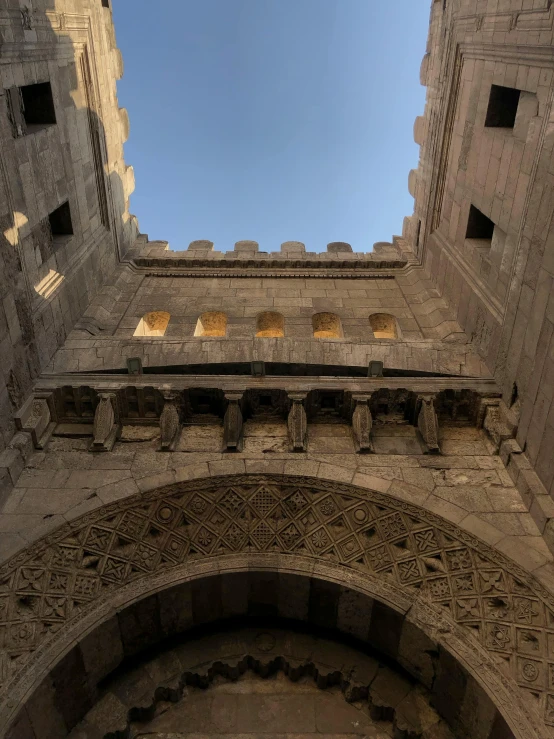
column 26, row 18
column 362, row 422
column 298, row 423
column 107, row 427
column 492, row 419
column 427, row 423
column 233, row 423
column 170, row 422
column 35, row 417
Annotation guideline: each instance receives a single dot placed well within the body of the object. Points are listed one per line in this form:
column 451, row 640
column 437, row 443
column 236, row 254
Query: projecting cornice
column 267, row 267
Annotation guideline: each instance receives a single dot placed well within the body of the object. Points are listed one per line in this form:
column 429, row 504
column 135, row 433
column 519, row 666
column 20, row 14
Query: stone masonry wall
column 47, row 283
column 466, row 484
column 502, row 291
column 429, row 340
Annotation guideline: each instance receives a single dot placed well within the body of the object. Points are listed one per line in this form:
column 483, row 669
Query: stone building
column 278, row 494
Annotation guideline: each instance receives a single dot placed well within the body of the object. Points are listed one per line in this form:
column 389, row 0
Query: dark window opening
column 515, row 395
column 502, row 108
column 38, row 105
column 105, row 3
column 60, row 222
column 327, row 402
column 265, row 400
column 478, row 225
column 272, row 369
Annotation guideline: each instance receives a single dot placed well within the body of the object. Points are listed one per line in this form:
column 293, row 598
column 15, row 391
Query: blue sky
column 271, row 120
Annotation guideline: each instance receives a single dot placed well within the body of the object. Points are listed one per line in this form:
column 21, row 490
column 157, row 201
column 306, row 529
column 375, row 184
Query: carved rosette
column 106, row 428
column 233, row 423
column 428, row 424
column 298, row 423
column 362, row 422
column 170, row 423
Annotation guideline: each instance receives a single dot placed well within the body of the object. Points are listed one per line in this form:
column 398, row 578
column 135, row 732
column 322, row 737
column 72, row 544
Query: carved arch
column 257, row 653
column 480, row 605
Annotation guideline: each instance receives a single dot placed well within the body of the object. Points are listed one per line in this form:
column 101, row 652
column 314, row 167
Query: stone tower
column 282, row 494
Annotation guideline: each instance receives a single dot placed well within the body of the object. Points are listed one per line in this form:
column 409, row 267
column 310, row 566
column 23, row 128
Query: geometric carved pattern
column 52, row 583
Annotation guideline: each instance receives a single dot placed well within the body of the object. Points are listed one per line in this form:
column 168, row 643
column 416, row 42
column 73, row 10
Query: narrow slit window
column 478, row 225
column 38, row 105
column 61, row 225
column 503, row 104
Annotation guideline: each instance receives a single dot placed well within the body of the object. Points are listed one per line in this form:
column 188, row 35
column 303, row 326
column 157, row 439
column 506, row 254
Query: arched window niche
column 153, row 324
column 270, row 325
column 384, row 326
column 213, row 323
column 326, row 326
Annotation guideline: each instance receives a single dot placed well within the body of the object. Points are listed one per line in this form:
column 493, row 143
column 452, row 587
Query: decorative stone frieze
column 106, row 427
column 298, row 422
column 427, row 423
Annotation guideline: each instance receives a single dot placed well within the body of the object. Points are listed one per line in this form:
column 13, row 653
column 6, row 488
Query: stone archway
column 476, row 604
column 236, row 681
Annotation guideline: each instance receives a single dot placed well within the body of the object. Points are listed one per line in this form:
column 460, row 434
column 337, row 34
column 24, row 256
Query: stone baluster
column 106, row 427
column 427, row 422
column 170, row 422
column 362, row 422
column 233, row 423
column 298, row 423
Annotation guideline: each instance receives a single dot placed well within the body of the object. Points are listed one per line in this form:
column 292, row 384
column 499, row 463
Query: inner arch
column 330, row 554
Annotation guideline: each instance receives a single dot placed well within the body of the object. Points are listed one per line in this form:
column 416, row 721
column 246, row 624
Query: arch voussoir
column 469, row 599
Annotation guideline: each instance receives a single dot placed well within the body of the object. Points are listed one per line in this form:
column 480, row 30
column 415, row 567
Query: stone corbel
column 298, row 423
column 170, row 422
column 427, row 423
column 35, row 418
column 233, row 423
column 493, row 420
column 107, row 427
column 362, row 422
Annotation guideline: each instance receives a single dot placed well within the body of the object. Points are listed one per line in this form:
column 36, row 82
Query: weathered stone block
column 102, row 651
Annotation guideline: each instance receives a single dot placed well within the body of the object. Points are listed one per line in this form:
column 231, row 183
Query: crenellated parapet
column 395, row 253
